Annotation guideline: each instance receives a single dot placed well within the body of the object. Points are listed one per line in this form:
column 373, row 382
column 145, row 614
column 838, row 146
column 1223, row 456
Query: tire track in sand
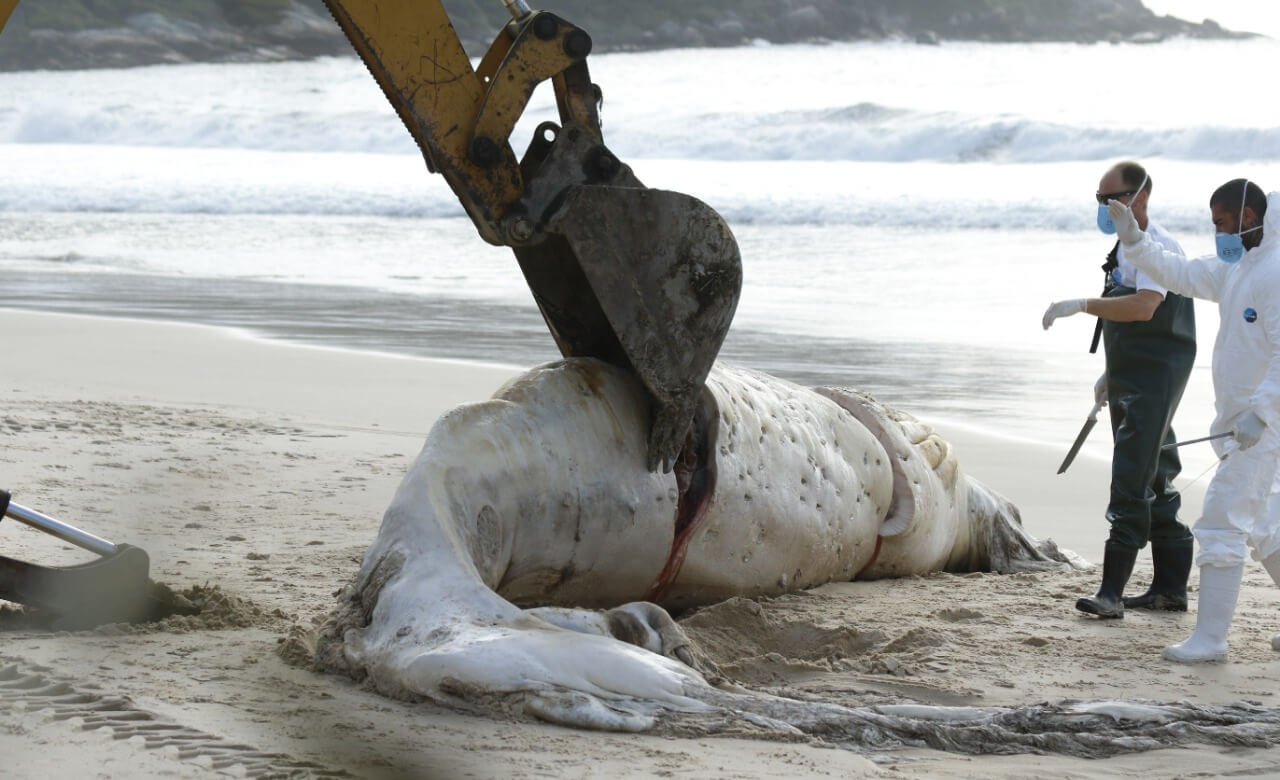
column 35, row 691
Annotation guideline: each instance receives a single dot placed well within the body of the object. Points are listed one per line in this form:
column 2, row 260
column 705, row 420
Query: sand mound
column 199, row 608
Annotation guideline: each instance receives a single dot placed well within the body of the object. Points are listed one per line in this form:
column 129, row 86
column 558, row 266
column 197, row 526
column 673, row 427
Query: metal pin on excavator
column 645, row 279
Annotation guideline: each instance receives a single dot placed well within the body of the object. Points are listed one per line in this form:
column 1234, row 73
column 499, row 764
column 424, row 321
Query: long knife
column 1080, row 437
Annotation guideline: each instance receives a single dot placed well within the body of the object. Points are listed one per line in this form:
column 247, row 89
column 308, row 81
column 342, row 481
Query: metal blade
column 115, row 588
column 1080, row 437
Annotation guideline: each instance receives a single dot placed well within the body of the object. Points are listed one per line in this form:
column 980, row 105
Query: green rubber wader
column 1147, row 368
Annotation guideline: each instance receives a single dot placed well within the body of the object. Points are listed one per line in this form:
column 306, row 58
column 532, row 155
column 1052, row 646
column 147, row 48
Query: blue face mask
column 1231, row 245
column 1105, row 223
column 1108, row 225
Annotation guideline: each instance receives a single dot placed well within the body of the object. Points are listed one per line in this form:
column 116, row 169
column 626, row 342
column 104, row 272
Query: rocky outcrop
column 71, row 34
column 150, row 38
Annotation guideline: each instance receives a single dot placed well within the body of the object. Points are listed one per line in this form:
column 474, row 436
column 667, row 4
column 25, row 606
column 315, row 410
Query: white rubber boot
column 1272, row 564
column 1219, row 589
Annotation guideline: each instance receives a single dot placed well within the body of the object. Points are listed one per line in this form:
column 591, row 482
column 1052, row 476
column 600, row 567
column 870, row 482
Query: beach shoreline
column 263, row 468
column 997, row 392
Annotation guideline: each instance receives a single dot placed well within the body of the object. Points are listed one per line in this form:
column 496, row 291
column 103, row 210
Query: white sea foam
column 861, row 132
column 851, row 102
column 934, row 196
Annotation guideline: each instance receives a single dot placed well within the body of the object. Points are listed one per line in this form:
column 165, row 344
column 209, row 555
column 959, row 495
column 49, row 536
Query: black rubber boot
column 1168, row 589
column 1117, row 565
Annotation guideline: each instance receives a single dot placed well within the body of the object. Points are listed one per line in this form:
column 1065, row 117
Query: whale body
column 529, row 552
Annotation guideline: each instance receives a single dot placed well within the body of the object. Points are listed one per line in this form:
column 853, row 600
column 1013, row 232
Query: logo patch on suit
column 1250, row 315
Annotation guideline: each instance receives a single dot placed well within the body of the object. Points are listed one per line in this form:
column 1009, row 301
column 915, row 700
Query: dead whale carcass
column 540, row 498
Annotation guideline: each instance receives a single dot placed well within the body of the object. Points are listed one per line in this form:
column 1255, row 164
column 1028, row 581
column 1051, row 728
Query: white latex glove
column 1100, row 390
column 1127, row 229
column 1248, row 429
column 1062, row 309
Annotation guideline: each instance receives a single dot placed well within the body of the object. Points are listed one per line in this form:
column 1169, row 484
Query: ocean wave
column 861, row 132
column 876, row 133
column 286, row 130
column 923, row 195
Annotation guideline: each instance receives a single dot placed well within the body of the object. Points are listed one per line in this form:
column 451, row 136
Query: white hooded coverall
column 1242, row 505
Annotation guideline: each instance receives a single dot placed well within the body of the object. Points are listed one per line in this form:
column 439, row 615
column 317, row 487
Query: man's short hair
column 1229, row 195
column 1132, row 175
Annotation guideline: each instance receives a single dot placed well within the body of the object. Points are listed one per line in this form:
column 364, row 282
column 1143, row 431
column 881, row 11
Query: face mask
column 1231, row 245
column 1105, row 223
column 1108, row 225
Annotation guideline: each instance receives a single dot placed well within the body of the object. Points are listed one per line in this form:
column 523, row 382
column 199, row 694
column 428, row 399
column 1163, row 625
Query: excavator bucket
column 645, row 279
column 642, row 278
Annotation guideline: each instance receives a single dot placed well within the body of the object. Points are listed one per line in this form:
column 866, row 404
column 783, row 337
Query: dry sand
column 255, row 474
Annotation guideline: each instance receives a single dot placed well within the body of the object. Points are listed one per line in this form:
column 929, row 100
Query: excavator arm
column 642, row 278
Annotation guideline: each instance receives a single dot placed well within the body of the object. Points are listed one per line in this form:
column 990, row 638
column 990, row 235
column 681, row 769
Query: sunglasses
column 1103, row 197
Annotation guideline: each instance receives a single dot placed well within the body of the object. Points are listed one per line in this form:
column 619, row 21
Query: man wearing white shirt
column 1242, row 504
column 1149, row 337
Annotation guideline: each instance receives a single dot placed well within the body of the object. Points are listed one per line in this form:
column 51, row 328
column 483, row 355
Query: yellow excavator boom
column 642, row 278
column 6, row 9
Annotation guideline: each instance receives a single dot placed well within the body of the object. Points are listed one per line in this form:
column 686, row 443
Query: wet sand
column 258, row 472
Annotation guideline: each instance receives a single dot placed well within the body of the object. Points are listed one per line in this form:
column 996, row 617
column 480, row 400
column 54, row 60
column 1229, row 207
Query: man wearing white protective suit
column 1241, row 507
column 1149, row 336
